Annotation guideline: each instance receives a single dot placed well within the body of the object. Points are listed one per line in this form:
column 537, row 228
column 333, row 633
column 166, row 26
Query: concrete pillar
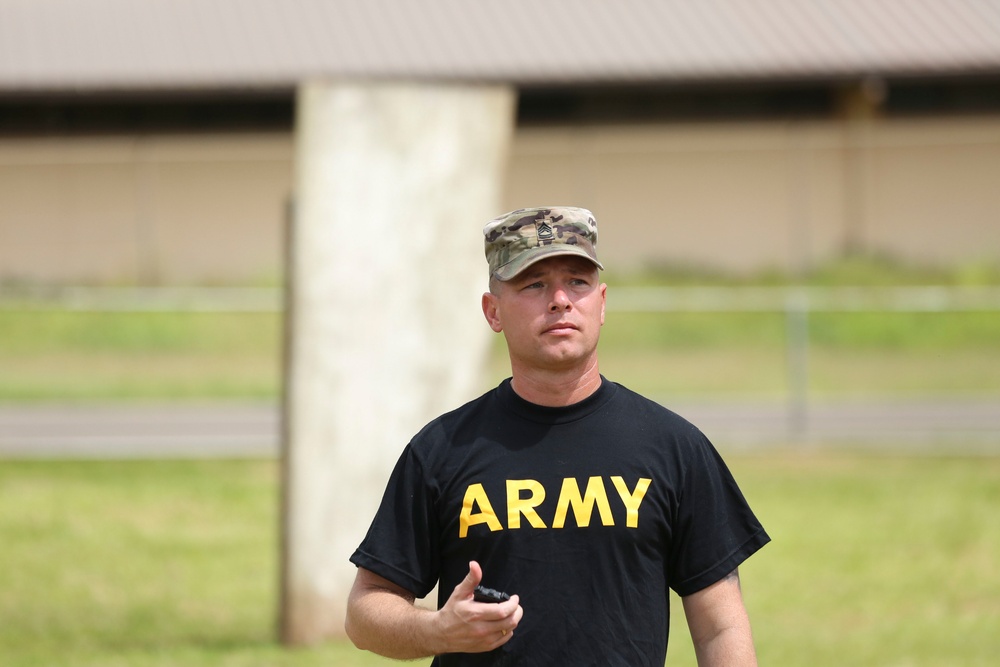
column 393, row 185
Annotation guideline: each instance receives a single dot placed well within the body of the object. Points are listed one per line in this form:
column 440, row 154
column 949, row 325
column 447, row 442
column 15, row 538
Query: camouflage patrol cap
column 518, row 239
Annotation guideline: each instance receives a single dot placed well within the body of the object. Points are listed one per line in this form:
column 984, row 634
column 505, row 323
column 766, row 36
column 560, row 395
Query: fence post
column 797, row 354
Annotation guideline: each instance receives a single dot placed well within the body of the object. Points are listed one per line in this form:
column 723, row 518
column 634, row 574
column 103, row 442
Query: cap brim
column 535, row 255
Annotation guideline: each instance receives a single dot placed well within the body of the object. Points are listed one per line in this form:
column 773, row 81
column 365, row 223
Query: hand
column 467, row 626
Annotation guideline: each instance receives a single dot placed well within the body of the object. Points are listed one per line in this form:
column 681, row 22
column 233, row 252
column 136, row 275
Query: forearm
column 731, row 647
column 381, row 618
column 385, row 623
column 720, row 626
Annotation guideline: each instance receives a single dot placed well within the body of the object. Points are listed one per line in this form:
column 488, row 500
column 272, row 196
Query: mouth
column 561, row 328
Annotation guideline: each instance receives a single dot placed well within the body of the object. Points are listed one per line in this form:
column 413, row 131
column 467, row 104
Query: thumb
column 471, row 580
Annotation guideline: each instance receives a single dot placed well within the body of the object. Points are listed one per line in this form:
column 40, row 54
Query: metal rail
column 932, row 298
column 795, row 302
column 935, row 298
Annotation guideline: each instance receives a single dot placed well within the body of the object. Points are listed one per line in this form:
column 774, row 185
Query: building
column 138, row 139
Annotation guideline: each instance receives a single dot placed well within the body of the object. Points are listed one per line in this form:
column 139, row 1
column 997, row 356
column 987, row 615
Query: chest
column 568, row 481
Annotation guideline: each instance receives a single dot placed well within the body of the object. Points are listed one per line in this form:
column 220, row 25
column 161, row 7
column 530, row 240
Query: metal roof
column 112, row 45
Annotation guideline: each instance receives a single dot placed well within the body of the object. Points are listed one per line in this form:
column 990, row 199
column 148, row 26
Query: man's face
column 551, row 314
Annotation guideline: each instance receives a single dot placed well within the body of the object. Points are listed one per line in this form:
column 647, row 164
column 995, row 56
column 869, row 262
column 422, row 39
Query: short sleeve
column 402, row 541
column 715, row 529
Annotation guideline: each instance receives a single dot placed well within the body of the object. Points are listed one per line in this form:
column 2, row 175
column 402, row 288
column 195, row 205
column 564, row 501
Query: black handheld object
column 483, row 594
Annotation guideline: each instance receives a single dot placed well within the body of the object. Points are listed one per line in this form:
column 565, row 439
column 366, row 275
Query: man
column 582, row 499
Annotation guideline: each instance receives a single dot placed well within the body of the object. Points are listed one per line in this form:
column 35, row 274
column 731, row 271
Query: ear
column 491, row 311
column 604, row 300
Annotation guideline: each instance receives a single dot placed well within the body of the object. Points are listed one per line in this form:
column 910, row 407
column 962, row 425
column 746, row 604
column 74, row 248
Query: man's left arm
column 720, row 627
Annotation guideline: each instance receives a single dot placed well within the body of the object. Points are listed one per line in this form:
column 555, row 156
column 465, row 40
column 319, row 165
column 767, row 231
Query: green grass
column 50, row 355
column 876, row 560
column 854, row 268
column 850, row 354
column 73, row 355
column 35, row 330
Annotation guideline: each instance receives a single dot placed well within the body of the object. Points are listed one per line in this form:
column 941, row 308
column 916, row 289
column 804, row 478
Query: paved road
column 956, row 425
column 147, row 431
column 154, row 431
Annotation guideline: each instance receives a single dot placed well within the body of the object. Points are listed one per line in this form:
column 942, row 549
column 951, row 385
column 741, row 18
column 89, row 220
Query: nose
column 560, row 300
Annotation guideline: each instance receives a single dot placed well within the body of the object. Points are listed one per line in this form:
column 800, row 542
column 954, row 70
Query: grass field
column 876, row 560
column 85, row 356
column 51, row 354
column 67, row 355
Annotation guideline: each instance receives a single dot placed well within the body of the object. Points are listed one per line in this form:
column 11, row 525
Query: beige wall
column 151, row 209
column 734, row 196
column 751, row 196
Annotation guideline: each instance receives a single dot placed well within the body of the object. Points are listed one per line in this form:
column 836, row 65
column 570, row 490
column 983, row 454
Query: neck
column 556, row 388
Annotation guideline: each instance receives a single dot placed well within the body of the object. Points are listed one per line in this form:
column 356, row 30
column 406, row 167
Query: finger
column 513, row 619
column 506, row 634
column 510, row 607
column 518, row 612
column 469, row 583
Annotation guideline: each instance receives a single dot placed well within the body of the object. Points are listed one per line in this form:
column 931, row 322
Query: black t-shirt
column 589, row 512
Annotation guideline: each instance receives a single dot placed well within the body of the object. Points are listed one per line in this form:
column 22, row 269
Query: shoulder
column 657, row 433
column 656, row 414
column 458, row 424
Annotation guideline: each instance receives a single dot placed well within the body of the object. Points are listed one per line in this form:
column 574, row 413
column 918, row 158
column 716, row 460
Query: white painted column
column 394, row 183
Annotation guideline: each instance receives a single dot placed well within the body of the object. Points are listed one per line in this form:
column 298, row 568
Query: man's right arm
column 720, row 628
column 382, row 618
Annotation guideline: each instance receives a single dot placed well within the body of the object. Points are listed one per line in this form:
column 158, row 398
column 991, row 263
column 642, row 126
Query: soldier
column 583, row 500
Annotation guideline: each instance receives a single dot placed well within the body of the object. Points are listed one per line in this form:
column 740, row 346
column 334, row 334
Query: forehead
column 572, row 264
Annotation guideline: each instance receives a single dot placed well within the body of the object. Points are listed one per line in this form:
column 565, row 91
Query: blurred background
column 799, row 212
